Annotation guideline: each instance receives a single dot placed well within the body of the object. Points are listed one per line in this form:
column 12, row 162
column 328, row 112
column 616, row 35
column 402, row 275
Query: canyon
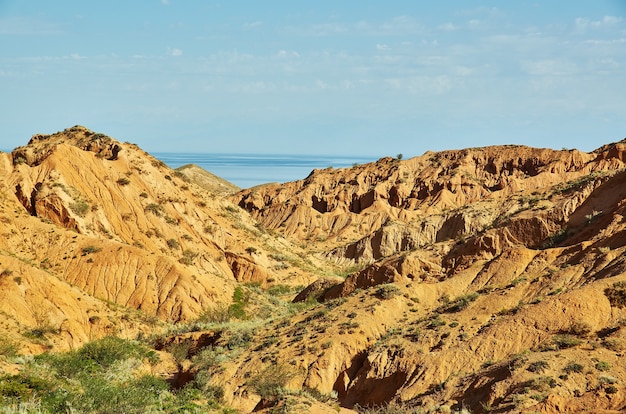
column 477, row 280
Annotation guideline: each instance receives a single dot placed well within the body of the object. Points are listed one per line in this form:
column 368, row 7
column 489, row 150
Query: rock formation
column 479, row 280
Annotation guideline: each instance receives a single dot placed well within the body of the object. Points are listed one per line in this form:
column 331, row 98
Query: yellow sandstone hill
column 493, row 278
column 479, row 280
column 94, row 228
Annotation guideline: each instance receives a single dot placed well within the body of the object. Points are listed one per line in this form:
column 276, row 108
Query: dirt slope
column 486, row 279
column 104, row 220
column 495, row 281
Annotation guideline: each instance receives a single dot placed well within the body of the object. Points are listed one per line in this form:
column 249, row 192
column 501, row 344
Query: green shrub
column 99, row 378
column 239, row 338
column 573, row 367
column 188, row 257
column 94, row 356
column 154, row 208
column 136, row 396
column 271, row 381
column 387, row 291
column 277, row 290
column 237, row 309
column 218, row 314
column 579, row 328
column 556, row 238
column 8, row 347
column 80, row 208
column 461, row 302
column 603, row 366
column 566, row 341
column 123, row 181
column 614, row 344
column 436, row 322
column 538, row 366
column 90, row 249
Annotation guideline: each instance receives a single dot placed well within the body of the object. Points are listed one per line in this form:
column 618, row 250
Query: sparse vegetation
column 79, row 208
column 566, row 341
column 272, row 380
column 617, row 294
column 460, row 303
column 538, row 366
column 577, row 183
column 556, row 238
column 100, row 377
column 573, row 367
column 8, row 347
column 449, row 303
column 387, row 291
column 154, row 208
column 188, row 257
column 90, row 249
column 123, row 181
column 603, row 366
column 579, row 328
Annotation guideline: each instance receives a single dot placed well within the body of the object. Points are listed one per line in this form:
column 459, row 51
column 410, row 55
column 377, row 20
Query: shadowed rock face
column 476, row 278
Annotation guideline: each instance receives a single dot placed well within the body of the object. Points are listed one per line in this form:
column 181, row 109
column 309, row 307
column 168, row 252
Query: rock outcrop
column 486, row 279
column 107, row 220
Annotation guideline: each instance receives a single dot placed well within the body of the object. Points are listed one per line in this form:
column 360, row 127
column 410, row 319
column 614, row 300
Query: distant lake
column 248, row 170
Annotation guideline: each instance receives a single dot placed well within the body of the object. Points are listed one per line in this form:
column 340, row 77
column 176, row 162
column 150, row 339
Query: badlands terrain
column 472, row 281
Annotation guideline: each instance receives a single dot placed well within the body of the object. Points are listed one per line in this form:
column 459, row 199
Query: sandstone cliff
column 491, row 279
column 102, row 220
column 480, row 280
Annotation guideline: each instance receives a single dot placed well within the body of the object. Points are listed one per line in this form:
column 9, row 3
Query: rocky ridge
column 478, row 265
column 479, row 280
column 97, row 218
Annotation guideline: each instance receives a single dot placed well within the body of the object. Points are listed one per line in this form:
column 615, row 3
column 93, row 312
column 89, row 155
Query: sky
column 358, row 78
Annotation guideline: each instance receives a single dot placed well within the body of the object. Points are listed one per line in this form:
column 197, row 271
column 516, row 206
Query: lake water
column 248, row 170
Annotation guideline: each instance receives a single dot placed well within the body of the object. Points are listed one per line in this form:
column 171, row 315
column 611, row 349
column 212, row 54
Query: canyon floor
column 478, row 280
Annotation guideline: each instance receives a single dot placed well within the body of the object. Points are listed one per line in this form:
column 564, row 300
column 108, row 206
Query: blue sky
column 325, row 77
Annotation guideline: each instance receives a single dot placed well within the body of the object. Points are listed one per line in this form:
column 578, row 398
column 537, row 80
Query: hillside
column 478, row 280
column 486, row 273
column 87, row 218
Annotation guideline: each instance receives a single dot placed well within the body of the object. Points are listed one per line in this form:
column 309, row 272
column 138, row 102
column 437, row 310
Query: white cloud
column 606, row 22
column 165, row 2
column 474, row 24
column 252, row 25
column 448, row 27
column 550, row 67
column 422, row 85
column 401, row 25
column 287, row 54
column 321, row 84
column 382, row 47
column 463, row 71
column 174, row 52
